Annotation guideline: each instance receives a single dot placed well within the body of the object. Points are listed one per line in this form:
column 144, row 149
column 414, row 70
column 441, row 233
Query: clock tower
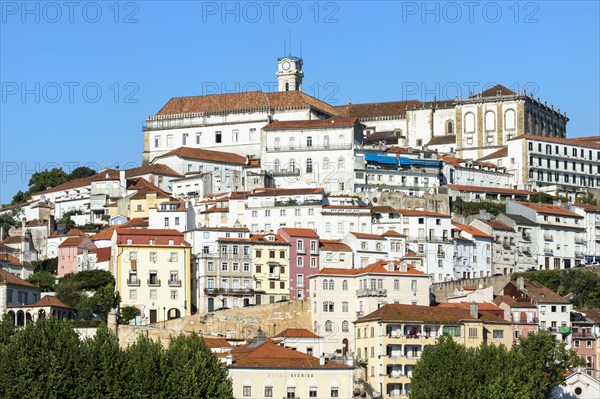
column 289, row 73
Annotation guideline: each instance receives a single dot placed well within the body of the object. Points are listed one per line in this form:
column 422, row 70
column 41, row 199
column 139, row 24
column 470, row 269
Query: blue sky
column 79, row 78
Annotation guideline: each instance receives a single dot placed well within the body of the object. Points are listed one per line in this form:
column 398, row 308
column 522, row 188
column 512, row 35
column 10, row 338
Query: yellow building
column 137, row 205
column 390, row 340
column 152, row 272
column 270, row 268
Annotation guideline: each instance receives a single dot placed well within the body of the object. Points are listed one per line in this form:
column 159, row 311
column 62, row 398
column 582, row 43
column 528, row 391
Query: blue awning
column 371, row 157
column 387, row 160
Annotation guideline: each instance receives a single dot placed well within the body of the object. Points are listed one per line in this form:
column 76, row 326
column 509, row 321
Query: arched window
column 449, row 127
column 328, row 326
column 325, row 284
column 345, row 285
column 287, row 86
column 309, row 165
column 328, row 306
column 309, row 141
column 490, row 121
column 341, row 162
column 276, row 165
column 331, row 285
column 509, row 119
column 469, row 122
column 345, row 326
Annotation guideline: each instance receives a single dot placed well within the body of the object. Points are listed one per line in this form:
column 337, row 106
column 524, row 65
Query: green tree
column 70, row 293
column 143, row 371
column 7, row 329
column 44, row 179
column 42, row 362
column 46, row 265
column 128, row 313
column 542, row 198
column 20, row 197
column 102, row 367
column 43, row 279
column 529, row 370
column 190, row 371
column 81, row 172
column 8, row 220
column 91, row 279
column 101, row 302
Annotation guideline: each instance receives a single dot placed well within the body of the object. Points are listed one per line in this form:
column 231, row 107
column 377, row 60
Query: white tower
column 289, row 73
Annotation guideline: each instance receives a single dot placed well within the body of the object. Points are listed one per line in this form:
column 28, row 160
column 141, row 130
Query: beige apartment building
column 390, row 340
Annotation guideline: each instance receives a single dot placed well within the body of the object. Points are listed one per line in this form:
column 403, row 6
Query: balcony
column 525, row 320
column 507, row 245
column 297, row 148
column 371, row 292
column 578, row 253
column 564, row 330
column 548, row 251
column 153, row 282
column 548, row 237
column 579, row 239
column 274, row 276
column 526, row 237
column 174, row 283
column 133, row 282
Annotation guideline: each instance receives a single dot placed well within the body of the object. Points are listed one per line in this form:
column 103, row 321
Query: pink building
column 304, row 258
column 72, row 252
column 586, row 332
column 521, row 312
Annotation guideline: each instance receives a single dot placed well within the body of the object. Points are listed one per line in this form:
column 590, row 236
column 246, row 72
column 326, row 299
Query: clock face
column 285, row 66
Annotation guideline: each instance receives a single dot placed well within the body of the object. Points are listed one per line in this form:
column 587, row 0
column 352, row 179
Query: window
column 328, row 227
column 153, row 257
column 173, row 294
column 184, row 138
column 345, row 285
column 498, row 334
column 246, row 391
column 218, row 136
column 452, row 331
column 235, row 135
column 199, row 138
column 268, row 392
column 211, row 266
column 328, row 306
column 156, row 141
column 341, row 162
column 344, row 306
column 309, row 141
column 176, row 221
column 153, row 294
column 396, row 285
column 328, row 326
column 133, row 294
column 472, row 332
column 345, row 326
column 299, row 261
column 224, row 266
column 173, row 257
column 169, row 140
column 312, row 393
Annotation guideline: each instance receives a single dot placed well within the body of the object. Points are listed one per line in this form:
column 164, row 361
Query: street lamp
column 164, row 317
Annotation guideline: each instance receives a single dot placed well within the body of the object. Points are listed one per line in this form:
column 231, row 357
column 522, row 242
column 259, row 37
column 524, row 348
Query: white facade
column 340, row 296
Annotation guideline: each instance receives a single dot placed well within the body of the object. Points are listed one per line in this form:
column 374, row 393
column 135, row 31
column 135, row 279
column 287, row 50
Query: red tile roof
column 71, row 242
column 273, row 192
column 10, row 259
column 471, row 230
column 501, row 153
column 498, row 225
column 102, row 254
column 296, row 333
column 12, row 240
column 587, row 207
column 206, row 155
column 494, row 91
column 8, row 278
column 550, row 209
column 390, row 109
column 245, row 101
column 271, row 355
column 333, row 245
column 441, row 140
column 378, row 267
column 50, row 300
column 297, row 232
column 482, row 306
column 105, row 234
column 336, row 121
column 135, row 222
column 156, row 169
column 261, row 238
column 393, row 233
column 366, row 236
column 427, row 314
column 73, row 184
column 76, row 233
column 216, row 342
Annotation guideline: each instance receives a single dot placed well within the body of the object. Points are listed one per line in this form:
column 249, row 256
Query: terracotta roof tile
column 475, row 232
column 587, row 207
column 216, row 342
column 498, row 225
column 395, row 109
column 592, row 142
column 206, row 155
column 50, row 300
column 551, row 209
column 156, row 169
column 366, row 236
column 8, row 278
column 333, row 245
column 427, row 314
column 494, row 91
column 297, row 232
column 441, row 140
column 501, row 153
column 10, row 259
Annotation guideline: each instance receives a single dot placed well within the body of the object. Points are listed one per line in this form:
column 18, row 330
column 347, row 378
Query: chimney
column 122, row 181
column 322, row 360
column 229, row 359
column 521, row 283
column 474, row 310
column 349, row 360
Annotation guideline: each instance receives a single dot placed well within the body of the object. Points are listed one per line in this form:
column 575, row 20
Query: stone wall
column 431, row 202
column 441, row 291
column 233, row 323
